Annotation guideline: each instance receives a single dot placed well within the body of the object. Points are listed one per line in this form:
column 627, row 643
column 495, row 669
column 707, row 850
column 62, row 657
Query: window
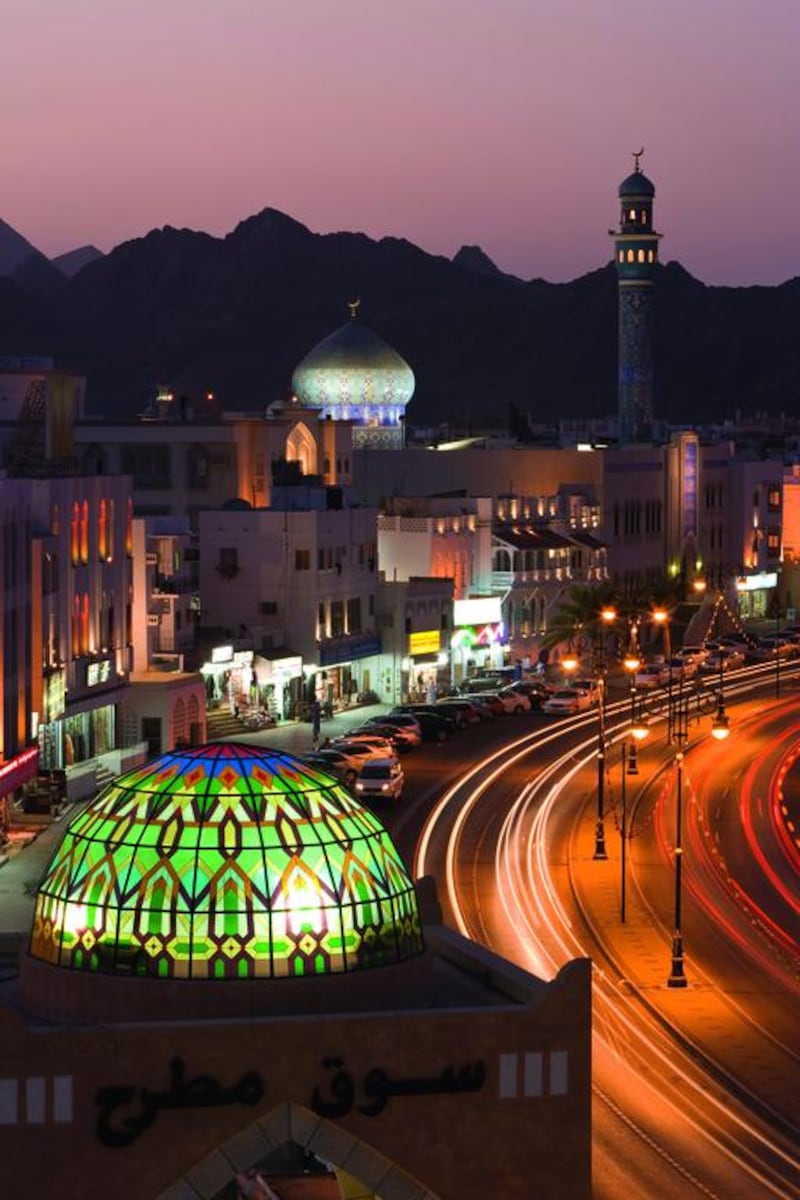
column 371, row 606
column 630, row 256
column 228, row 562
column 85, row 531
column 632, row 214
column 337, row 618
column 302, row 560
column 650, row 256
column 320, row 559
column 774, row 497
column 75, row 534
column 622, row 256
column 268, row 608
column 354, row 615
column 773, row 542
column 643, row 216
column 129, row 528
column 102, row 530
column 640, row 256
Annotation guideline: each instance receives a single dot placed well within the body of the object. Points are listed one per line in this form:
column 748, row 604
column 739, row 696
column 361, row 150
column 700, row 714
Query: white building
column 293, row 582
column 444, row 537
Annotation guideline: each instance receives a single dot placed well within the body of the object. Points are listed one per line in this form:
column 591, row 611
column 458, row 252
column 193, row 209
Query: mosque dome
column 225, row 862
column 637, row 185
column 353, row 374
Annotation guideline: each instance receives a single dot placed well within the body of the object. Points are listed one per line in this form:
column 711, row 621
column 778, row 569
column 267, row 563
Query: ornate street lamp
column 608, row 614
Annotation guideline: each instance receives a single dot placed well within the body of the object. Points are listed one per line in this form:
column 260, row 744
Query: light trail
column 545, row 937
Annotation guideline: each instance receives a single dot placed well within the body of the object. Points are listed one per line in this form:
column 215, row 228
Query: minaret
column 635, row 255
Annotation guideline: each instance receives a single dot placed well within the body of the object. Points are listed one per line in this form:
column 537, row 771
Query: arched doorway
column 287, row 1133
column 302, row 448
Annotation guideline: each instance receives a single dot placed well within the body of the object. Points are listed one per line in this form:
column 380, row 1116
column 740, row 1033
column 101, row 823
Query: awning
column 19, row 770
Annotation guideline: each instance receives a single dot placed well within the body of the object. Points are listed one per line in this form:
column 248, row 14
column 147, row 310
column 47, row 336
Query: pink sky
column 508, row 124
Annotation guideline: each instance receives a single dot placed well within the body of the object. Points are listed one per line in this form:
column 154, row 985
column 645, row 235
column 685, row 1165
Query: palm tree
column 578, row 615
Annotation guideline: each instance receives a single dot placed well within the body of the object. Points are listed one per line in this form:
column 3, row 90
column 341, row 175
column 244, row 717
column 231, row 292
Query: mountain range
column 234, row 315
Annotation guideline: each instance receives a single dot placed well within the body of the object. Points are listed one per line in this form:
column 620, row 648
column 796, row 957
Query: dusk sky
column 508, row 124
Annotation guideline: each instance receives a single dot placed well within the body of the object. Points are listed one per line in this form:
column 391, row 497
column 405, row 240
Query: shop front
column 425, row 668
column 73, row 732
column 18, row 771
column 228, row 678
column 757, row 594
column 347, row 668
column 479, row 636
column 279, row 683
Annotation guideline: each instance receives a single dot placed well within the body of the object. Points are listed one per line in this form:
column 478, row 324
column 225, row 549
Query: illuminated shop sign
column 19, row 770
column 221, row 654
column 478, row 635
column 428, row 641
column 98, row 672
column 480, row 610
column 754, row 583
column 55, row 696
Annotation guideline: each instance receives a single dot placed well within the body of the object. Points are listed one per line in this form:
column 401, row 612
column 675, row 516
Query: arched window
column 76, row 626
column 85, row 531
column 129, row 528
column 640, row 256
column 110, row 539
column 75, row 534
column 622, row 256
column 630, row 256
column 302, row 448
column 632, row 214
column 102, row 530
column 55, row 521
column 85, row 641
column 502, row 560
column 643, row 216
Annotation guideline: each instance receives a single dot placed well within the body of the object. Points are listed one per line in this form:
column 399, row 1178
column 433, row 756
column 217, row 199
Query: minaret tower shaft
column 635, row 256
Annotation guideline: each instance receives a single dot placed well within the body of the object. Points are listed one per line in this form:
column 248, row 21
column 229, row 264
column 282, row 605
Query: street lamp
column 608, row 615
column 638, row 731
column 680, row 726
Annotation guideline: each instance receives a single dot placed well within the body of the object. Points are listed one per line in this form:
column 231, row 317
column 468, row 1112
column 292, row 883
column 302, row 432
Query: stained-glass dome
column 225, row 861
column 355, row 375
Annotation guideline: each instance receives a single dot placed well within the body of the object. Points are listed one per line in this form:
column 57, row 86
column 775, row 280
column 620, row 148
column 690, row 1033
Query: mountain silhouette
column 235, row 315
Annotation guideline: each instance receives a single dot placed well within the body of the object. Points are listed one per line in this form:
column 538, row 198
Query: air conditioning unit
column 153, row 619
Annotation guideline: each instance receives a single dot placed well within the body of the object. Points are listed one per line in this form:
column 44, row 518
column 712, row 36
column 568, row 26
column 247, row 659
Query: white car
column 381, row 777
column 567, row 700
column 587, row 687
column 363, row 746
column 651, row 675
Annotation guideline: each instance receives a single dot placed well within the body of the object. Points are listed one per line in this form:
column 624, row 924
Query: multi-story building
column 296, row 581
column 416, row 624
column 448, row 537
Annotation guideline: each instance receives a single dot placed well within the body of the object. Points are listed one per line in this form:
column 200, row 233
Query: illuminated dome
column 355, row 375
column 225, row 862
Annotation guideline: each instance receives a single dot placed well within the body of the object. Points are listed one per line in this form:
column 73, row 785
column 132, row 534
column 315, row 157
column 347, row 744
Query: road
column 693, row 1089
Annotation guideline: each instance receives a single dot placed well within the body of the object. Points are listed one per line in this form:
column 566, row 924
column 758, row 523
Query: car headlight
column 384, row 787
column 359, row 786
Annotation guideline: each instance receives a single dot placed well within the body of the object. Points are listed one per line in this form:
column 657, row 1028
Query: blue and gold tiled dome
column 354, row 375
column 225, row 861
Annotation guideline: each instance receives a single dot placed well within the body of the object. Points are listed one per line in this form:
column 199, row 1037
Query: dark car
column 438, row 709
column 435, row 726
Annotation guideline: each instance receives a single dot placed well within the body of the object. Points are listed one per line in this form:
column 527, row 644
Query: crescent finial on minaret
column 637, row 154
column 353, row 305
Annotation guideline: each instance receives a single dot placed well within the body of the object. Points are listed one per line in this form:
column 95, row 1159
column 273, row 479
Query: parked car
column 437, row 710
column 567, row 700
column 381, row 777
column 434, row 726
column 482, row 703
column 401, row 739
column 404, row 724
column 344, row 765
column 681, row 668
column 769, row 648
column 692, row 653
column 467, row 712
column 360, row 749
column 587, row 686
column 726, row 658
column 536, row 691
column 651, row 675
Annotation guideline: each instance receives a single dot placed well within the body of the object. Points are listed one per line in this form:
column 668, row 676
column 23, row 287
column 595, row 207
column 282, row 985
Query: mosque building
column 230, row 965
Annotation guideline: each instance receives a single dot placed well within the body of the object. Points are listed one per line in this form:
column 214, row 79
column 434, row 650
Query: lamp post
column 630, row 766
column 680, row 726
column 608, row 615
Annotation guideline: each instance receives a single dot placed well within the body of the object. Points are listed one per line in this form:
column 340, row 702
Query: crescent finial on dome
column 354, row 306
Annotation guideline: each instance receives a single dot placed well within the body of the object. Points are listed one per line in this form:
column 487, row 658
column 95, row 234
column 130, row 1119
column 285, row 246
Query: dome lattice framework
column 225, row 861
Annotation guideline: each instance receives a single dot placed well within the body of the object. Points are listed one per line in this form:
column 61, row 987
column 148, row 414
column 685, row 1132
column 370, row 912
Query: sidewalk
column 20, row 874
